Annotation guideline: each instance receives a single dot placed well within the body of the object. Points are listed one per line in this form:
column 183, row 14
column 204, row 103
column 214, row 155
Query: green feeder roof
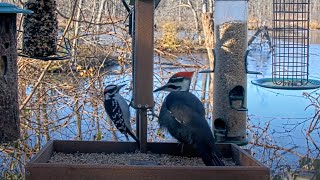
column 10, row 8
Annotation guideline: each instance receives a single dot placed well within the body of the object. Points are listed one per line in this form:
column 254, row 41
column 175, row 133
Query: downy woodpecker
column 183, row 115
column 118, row 110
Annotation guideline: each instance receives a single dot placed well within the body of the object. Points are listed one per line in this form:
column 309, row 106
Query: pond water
column 285, row 110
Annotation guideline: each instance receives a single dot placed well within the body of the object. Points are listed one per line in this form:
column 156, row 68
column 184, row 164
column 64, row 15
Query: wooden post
column 143, row 48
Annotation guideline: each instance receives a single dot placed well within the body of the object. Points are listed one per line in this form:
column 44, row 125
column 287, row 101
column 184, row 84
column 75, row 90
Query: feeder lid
column 10, row 8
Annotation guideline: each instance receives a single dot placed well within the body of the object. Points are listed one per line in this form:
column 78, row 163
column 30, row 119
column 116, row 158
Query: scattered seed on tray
column 134, row 158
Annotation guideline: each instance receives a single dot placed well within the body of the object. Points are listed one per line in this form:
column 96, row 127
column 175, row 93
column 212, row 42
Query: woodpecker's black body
column 183, row 115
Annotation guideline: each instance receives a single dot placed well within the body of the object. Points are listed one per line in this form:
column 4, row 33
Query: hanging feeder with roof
column 9, row 107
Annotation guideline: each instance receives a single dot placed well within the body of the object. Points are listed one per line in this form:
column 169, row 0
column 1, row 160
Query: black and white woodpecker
column 118, row 110
column 183, row 115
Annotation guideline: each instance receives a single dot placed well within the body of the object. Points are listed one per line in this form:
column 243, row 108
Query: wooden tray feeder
column 38, row 168
column 9, row 107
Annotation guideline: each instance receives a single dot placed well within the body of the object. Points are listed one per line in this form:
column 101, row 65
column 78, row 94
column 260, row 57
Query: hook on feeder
column 214, row 63
column 220, row 129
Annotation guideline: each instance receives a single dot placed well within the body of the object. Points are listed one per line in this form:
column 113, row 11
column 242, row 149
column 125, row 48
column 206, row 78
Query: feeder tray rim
column 311, row 84
column 52, row 144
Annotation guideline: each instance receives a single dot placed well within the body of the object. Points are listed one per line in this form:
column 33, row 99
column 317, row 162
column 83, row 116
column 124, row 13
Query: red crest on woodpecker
column 184, row 74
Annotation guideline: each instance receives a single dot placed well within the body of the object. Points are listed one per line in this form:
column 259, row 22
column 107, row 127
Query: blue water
column 285, row 111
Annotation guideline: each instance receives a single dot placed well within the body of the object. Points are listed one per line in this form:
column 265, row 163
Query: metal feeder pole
column 143, row 47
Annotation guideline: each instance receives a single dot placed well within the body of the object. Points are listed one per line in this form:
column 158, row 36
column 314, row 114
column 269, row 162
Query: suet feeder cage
column 230, row 82
column 290, row 56
column 9, row 108
column 39, row 168
column 40, row 31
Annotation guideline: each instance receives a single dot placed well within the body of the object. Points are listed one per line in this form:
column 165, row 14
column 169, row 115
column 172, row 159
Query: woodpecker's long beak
column 120, row 86
column 161, row 88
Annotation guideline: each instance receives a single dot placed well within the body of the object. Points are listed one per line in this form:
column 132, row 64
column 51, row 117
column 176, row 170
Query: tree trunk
column 100, row 12
column 196, row 20
column 208, row 28
column 76, row 31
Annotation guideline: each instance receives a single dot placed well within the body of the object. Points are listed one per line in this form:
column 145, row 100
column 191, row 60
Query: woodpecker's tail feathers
column 217, row 161
column 134, row 137
column 208, row 156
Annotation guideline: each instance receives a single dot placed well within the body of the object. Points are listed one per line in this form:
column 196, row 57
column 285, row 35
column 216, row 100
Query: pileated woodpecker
column 183, row 115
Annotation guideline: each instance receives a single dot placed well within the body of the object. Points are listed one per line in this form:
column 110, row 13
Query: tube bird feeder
column 230, row 82
column 9, row 108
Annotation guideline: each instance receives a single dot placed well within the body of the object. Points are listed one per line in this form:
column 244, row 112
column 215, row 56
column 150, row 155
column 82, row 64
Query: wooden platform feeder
column 9, row 109
column 39, row 168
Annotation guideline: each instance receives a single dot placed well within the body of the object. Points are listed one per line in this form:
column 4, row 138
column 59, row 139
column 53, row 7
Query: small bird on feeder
column 118, row 110
column 183, row 115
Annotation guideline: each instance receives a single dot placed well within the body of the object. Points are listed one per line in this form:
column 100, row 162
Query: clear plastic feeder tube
column 230, row 82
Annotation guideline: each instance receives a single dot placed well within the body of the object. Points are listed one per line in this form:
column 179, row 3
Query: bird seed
column 134, row 158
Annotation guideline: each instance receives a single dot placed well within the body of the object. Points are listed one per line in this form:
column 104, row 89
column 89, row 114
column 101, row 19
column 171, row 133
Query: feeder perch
column 9, row 108
column 220, row 130
column 290, row 42
column 237, row 94
column 40, row 31
column 230, row 82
